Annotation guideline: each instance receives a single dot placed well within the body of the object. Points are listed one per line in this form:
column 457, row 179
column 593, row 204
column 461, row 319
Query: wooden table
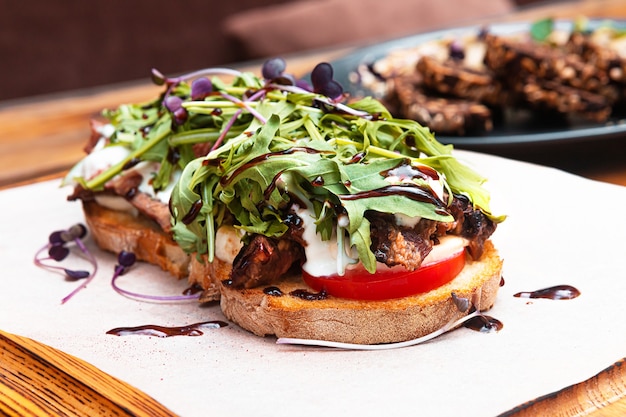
column 42, row 137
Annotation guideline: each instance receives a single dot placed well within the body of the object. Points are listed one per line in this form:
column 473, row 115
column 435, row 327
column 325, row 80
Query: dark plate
column 519, row 128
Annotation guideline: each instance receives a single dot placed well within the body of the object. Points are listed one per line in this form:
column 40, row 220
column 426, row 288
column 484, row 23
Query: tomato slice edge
column 388, row 283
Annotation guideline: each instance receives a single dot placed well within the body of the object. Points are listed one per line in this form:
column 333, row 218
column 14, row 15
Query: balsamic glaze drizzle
column 484, row 324
column 163, row 331
column 558, row 292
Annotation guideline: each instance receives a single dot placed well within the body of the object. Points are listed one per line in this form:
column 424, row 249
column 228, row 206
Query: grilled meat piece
column 441, row 115
column 451, row 78
column 510, row 57
column 153, row 209
column 603, row 57
column 126, row 186
column 550, row 95
column 471, row 224
column 400, row 245
column 264, row 260
column 566, row 75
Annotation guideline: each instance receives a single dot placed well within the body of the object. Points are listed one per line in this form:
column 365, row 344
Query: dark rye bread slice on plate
column 273, row 310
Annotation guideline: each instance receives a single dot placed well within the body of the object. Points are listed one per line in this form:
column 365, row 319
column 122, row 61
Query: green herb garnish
column 541, row 29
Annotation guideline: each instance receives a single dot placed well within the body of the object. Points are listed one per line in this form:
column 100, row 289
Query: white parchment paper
column 561, row 229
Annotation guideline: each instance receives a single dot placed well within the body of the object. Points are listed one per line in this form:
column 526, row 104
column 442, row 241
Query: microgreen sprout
column 58, row 249
column 125, row 260
column 323, row 82
column 273, row 70
column 175, row 105
column 159, row 79
column 201, row 88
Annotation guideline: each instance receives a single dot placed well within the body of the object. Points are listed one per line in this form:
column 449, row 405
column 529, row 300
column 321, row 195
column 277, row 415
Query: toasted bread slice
column 115, row 230
column 363, row 322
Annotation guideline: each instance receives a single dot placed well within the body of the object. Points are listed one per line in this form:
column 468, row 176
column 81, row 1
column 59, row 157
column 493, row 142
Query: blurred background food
column 52, row 46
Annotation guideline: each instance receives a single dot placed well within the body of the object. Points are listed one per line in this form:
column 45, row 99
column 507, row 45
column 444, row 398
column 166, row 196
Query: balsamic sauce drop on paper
column 557, row 292
column 484, row 324
column 164, row 331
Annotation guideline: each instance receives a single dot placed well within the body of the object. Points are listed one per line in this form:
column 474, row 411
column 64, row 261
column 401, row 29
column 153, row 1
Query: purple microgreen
column 92, row 260
column 125, row 261
column 226, row 129
column 40, row 261
column 304, row 84
column 245, row 105
column 273, row 68
column 256, row 96
column 175, row 105
column 323, row 82
column 201, row 88
column 286, row 79
column 159, row 79
column 57, row 250
column 78, row 230
column 76, row 274
column 208, row 72
column 55, row 237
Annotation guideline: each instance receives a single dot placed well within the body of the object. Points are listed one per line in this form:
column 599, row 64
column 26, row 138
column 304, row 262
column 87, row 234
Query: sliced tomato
column 357, row 283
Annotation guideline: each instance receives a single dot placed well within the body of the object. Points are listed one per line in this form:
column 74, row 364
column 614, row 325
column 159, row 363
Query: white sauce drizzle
column 227, row 243
column 103, row 157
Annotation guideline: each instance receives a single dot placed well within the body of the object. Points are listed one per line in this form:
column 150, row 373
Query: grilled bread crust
column 115, row 230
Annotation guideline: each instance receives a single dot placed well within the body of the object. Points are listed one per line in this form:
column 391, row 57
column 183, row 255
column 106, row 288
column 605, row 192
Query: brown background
column 51, row 46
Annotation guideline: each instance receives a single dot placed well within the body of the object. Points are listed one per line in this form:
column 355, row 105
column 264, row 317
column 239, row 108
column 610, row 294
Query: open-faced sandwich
column 305, row 216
